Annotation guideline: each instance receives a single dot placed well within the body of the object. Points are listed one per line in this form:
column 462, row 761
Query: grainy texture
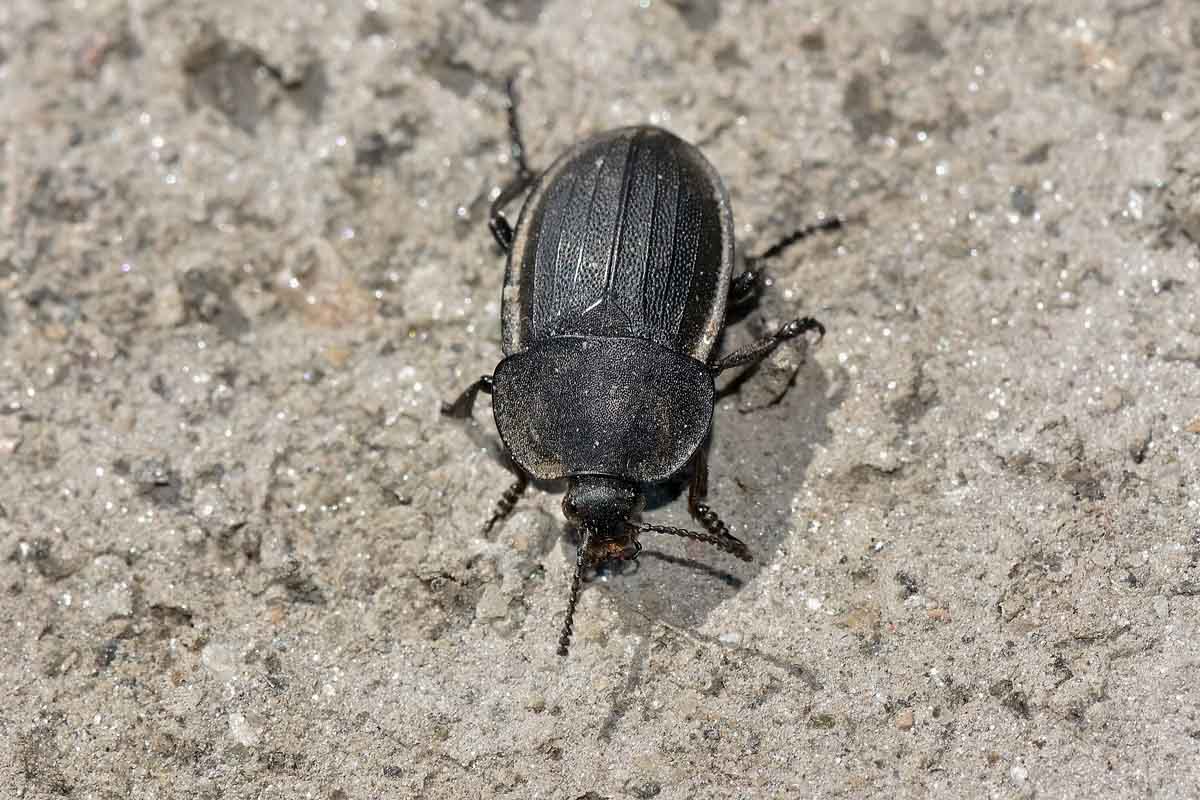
column 244, row 257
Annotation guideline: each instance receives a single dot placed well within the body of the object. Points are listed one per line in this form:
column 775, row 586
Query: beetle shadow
column 757, row 464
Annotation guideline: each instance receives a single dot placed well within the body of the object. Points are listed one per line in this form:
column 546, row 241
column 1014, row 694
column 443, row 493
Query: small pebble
column 245, row 730
column 10, row 434
column 492, row 604
column 55, row 332
column 938, row 614
column 219, row 660
column 905, row 719
column 167, row 309
column 1018, row 775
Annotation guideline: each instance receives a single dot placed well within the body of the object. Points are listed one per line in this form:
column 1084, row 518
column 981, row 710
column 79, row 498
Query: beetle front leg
column 697, row 494
column 757, row 351
column 498, row 223
column 462, row 407
column 508, row 500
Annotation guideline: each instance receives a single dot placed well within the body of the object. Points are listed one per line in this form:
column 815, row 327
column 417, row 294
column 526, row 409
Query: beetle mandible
column 619, row 273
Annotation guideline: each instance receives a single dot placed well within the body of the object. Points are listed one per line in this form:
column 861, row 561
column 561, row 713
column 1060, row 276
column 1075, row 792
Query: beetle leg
column 745, row 287
column 831, row 224
column 698, row 485
column 750, row 282
column 514, row 128
column 697, row 494
column 497, row 222
column 757, row 351
column 462, row 407
column 507, row 501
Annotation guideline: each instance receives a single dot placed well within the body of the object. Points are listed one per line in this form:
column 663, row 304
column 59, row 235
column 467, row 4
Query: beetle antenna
column 727, row 541
column 564, row 639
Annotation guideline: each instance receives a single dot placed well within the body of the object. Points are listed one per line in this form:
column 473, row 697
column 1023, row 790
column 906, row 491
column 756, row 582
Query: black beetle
column 619, row 273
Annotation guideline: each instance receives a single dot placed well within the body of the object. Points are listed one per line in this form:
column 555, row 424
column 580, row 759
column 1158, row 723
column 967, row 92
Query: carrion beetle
column 619, row 274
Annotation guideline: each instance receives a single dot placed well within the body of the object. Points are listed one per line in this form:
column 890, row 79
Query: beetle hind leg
column 514, row 129
column 498, row 223
column 798, row 235
column 757, row 351
column 746, row 287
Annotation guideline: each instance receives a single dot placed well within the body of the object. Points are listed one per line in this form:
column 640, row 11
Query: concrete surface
column 243, row 258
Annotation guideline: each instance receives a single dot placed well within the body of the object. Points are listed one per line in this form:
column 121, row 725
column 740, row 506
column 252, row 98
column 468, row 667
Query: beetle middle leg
column 497, row 222
column 757, row 351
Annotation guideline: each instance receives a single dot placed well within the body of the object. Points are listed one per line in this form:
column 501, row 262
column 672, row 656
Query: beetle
column 619, row 274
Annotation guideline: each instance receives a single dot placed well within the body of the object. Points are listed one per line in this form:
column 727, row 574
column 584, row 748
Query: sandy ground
column 244, row 257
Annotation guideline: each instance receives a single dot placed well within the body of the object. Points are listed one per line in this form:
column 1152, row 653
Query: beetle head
column 602, row 506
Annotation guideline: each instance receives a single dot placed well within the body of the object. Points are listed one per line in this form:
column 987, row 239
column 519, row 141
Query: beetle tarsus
column 508, row 501
column 697, row 493
column 717, row 527
column 464, row 404
column 798, row 327
column 564, row 638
